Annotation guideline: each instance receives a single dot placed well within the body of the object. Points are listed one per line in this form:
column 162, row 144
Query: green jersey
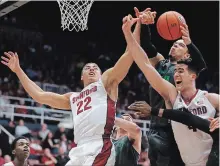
column 126, row 155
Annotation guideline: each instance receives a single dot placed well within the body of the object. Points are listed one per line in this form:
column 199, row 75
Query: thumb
column 210, row 118
column 134, row 20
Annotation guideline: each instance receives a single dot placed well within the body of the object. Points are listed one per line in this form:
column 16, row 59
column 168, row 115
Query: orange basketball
column 168, row 25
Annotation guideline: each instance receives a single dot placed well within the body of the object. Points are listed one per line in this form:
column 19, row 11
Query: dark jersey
column 166, row 70
column 126, row 155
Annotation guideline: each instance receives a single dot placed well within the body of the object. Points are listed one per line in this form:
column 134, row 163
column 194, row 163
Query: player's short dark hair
column 191, row 65
column 13, row 145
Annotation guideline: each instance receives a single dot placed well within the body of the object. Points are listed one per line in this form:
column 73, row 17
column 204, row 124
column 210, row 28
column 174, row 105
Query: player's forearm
column 136, row 51
column 30, row 87
column 137, row 32
column 146, row 43
column 141, row 59
column 121, row 68
column 130, row 127
column 196, row 56
column 183, row 117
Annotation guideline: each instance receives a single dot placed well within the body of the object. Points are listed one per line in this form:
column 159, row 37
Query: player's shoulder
column 210, row 96
column 9, row 164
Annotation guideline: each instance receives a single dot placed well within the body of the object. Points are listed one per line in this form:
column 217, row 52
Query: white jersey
column 9, row 164
column 194, row 147
column 93, row 112
column 93, row 118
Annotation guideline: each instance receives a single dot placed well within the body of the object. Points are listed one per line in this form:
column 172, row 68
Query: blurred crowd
column 44, row 63
column 49, row 147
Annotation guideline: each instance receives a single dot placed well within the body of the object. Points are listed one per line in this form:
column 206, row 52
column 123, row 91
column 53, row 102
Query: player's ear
column 13, row 152
column 187, row 55
column 81, row 77
column 194, row 76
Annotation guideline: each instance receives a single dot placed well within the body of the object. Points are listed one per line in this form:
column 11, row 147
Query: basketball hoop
column 74, row 14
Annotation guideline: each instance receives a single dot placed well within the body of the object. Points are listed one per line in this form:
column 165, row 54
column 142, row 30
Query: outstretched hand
column 128, row 21
column 11, row 60
column 185, row 34
column 143, row 109
column 146, row 16
column 214, row 123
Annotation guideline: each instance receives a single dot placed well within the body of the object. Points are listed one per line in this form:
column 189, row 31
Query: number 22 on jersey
column 83, row 105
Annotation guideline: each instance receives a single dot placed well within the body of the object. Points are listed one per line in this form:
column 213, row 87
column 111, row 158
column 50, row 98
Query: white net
column 74, row 14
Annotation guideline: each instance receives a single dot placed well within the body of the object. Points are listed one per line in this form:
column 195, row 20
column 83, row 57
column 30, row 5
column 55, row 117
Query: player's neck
column 189, row 94
column 86, row 84
column 20, row 163
column 172, row 60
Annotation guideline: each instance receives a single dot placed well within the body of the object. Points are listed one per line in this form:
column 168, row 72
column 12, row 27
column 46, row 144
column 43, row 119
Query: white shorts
column 98, row 152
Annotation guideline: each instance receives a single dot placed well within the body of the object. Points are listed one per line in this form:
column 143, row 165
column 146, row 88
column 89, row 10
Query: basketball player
column 161, row 134
column 182, row 115
column 194, row 146
column 185, row 117
column 93, row 108
column 127, row 141
column 21, row 151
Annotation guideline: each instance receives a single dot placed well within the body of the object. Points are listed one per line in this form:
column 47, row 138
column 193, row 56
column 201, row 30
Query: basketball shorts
column 98, row 152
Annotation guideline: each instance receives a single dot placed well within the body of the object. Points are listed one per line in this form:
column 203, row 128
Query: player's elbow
column 137, row 129
column 41, row 98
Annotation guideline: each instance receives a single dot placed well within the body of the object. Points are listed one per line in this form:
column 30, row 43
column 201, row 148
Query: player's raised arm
column 147, row 17
column 194, row 52
column 134, row 131
column 52, row 99
column 118, row 72
column 162, row 86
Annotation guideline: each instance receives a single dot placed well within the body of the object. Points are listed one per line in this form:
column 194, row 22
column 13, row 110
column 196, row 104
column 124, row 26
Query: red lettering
column 87, row 92
column 204, row 110
column 81, row 95
column 74, row 100
column 87, row 100
column 199, row 111
column 79, row 105
column 94, row 88
column 86, row 106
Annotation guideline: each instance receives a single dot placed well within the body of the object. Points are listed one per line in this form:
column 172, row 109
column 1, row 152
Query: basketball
column 168, row 25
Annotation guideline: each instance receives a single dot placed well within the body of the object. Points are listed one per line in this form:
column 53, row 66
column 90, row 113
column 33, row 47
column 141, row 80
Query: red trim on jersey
column 102, row 158
column 191, row 98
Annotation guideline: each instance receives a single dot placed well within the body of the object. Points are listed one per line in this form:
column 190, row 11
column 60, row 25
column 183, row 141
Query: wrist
column 154, row 111
column 188, row 43
column 18, row 70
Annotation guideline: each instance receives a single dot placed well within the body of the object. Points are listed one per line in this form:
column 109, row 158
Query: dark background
column 105, row 21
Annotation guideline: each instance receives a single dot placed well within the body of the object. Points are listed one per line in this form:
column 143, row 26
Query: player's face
column 91, row 73
column 182, row 77
column 179, row 50
column 22, row 149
